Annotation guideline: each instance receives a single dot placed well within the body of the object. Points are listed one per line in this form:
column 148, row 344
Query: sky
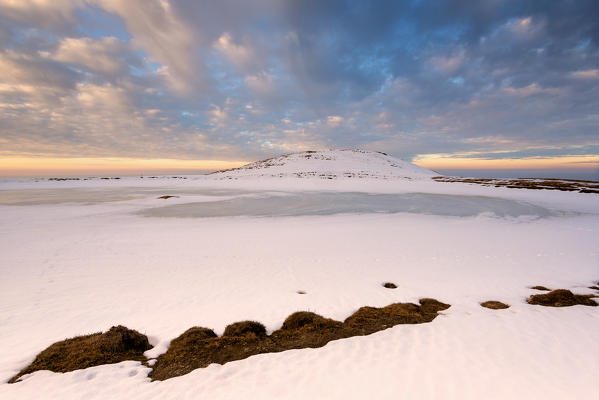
column 92, row 85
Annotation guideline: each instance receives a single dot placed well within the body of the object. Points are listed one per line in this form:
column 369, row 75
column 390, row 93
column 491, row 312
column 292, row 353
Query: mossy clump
column 195, row 334
column 432, row 306
column 245, row 328
column 389, row 285
column 305, row 329
column 198, row 348
column 116, row 345
column 305, row 319
column 368, row 320
column 494, row 305
column 561, row 298
column 538, row 287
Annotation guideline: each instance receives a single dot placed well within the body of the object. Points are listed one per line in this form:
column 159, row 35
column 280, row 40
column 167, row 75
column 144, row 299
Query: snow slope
column 80, row 256
column 329, row 164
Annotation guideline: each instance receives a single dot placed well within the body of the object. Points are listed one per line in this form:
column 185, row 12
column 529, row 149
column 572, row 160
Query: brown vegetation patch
column 188, row 353
column 300, row 292
column 561, row 298
column 116, row 345
column 197, row 349
column 193, row 334
column 305, row 329
column 167, row 197
column 494, row 305
column 540, row 288
column 568, row 185
column 389, row 285
column 594, row 287
column 368, row 320
column 432, row 306
column 245, row 329
column 308, row 320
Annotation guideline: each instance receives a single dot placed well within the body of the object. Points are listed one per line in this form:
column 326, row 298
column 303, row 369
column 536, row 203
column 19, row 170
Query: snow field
column 77, row 267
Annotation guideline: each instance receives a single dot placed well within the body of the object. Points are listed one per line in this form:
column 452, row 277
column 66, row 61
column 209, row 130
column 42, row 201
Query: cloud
column 334, row 120
column 43, row 14
column 158, row 29
column 523, row 29
column 176, row 79
column 240, row 55
column 262, row 83
column 530, row 90
column 28, row 77
column 107, row 55
column 587, row 74
column 450, row 64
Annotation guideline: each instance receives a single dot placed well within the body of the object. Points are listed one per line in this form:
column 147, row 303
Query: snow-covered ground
column 81, row 256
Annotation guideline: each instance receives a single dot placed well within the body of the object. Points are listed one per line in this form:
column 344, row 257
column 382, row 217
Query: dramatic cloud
column 106, row 55
column 248, row 79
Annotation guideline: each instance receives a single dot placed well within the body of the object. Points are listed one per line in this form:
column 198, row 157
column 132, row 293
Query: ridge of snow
column 330, row 164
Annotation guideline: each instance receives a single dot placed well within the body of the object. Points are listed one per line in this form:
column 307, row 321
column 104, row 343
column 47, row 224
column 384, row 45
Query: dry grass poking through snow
column 245, row 328
column 540, row 288
column 199, row 347
column 494, row 305
column 568, row 185
column 561, row 298
column 116, row 345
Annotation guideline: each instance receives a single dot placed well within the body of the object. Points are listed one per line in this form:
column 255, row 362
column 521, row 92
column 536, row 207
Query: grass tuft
column 245, row 328
column 561, row 298
column 300, row 330
column 308, row 320
column 540, row 288
column 494, row 305
column 116, row 345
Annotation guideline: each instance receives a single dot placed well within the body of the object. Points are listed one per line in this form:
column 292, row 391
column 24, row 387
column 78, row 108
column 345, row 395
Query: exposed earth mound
column 561, row 298
column 538, row 287
column 245, row 329
column 198, row 348
column 116, row 345
column 494, row 305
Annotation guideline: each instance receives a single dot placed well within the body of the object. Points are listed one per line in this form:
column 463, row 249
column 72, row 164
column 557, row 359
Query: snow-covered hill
column 330, row 164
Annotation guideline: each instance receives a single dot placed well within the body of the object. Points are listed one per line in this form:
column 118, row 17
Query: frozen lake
column 327, row 203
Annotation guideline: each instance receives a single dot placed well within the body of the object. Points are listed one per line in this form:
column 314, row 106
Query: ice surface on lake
column 30, row 197
column 323, row 203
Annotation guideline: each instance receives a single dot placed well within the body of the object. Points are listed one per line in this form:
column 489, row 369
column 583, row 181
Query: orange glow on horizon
column 46, row 166
column 54, row 166
column 434, row 161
